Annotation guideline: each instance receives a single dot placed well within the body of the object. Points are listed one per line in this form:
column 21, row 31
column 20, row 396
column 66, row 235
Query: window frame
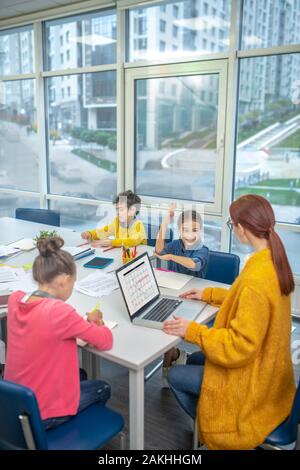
column 196, row 68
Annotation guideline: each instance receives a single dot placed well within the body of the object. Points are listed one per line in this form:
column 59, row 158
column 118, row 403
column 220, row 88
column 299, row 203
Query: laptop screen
column 138, row 284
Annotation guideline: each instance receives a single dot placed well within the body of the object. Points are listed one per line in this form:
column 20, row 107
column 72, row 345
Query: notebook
column 170, row 279
column 25, row 244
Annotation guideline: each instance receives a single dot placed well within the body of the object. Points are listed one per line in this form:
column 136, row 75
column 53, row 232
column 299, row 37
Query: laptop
column 144, row 302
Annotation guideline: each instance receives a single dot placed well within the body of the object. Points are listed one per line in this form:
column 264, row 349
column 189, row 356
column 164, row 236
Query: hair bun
column 49, row 246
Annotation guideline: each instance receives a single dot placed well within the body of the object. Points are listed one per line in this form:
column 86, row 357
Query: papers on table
column 97, row 284
column 8, row 251
column 171, row 280
column 25, row 244
column 8, row 274
column 13, row 279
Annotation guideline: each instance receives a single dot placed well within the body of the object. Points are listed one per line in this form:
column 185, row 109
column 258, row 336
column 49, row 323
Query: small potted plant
column 45, row 234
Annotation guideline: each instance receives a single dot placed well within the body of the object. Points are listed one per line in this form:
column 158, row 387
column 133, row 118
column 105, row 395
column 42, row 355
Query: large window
column 183, row 28
column 18, row 136
column 81, row 109
column 176, row 136
column 82, row 135
column 268, row 150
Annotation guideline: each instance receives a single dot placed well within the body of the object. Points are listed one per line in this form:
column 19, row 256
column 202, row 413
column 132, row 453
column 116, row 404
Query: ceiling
column 11, row 8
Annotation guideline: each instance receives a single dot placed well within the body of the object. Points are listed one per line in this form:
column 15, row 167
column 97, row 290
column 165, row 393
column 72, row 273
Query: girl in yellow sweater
column 247, row 383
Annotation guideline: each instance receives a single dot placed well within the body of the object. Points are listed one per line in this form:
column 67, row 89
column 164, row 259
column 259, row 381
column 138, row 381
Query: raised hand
column 170, row 214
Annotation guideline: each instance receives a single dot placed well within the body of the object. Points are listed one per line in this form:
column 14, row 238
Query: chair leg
column 26, row 428
column 266, row 446
column 122, row 441
column 153, row 370
column 195, row 436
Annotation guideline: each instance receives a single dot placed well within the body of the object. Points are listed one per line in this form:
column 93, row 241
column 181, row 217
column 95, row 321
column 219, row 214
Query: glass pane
column 79, row 217
column 9, row 203
column 268, row 150
column 212, row 234
column 175, row 138
column 81, row 41
column 16, row 51
column 82, row 135
column 269, row 23
column 176, row 29
column 291, row 241
column 18, row 136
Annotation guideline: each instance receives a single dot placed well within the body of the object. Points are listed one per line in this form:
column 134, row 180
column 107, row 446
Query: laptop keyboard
column 162, row 310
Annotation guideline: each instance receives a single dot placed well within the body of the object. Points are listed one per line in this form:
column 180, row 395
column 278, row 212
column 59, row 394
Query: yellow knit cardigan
column 248, row 385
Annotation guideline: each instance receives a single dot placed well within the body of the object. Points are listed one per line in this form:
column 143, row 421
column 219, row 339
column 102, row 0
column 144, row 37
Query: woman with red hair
column 240, row 386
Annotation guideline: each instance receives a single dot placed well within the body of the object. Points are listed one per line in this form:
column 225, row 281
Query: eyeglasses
column 229, row 224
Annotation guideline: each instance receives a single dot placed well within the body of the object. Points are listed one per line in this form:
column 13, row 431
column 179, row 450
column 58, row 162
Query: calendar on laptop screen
column 138, row 284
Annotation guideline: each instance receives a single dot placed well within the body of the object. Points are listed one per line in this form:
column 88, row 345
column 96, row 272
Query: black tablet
column 98, row 263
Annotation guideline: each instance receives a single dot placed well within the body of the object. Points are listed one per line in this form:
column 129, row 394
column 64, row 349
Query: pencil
column 109, row 248
column 85, row 243
column 97, row 307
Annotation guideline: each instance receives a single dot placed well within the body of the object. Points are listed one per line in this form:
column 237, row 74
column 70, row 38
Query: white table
column 134, row 347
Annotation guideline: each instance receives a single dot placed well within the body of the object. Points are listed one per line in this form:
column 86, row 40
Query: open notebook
column 110, row 324
column 25, row 244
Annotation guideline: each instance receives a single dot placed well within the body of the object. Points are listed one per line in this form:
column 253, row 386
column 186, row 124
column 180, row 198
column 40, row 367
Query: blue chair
column 284, row 437
column 21, row 427
column 222, row 267
column 42, row 216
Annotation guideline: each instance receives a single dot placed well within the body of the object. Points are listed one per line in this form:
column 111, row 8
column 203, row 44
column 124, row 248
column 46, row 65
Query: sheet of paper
column 24, row 283
column 97, row 284
column 8, row 274
column 8, row 251
column 293, row 328
column 28, row 285
column 171, row 280
column 25, row 244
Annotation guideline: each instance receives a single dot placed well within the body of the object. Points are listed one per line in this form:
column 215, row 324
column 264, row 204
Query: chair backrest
column 152, row 231
column 16, row 401
column 42, row 216
column 222, row 267
column 295, row 413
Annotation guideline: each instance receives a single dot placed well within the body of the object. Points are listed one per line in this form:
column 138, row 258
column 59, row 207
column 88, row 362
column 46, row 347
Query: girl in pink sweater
column 42, row 331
